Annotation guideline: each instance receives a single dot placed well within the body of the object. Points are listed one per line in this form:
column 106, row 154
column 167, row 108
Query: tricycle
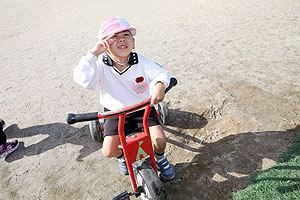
column 137, row 147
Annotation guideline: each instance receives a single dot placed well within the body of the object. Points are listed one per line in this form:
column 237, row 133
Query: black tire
column 164, row 112
column 147, row 178
column 95, row 131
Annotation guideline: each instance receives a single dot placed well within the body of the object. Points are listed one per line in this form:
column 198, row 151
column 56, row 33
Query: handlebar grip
column 74, row 118
column 173, row 82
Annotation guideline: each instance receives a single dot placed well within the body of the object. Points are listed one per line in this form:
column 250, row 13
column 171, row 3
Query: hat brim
column 118, row 30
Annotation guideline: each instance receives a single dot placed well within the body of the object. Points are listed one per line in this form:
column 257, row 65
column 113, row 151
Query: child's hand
column 158, row 93
column 102, row 45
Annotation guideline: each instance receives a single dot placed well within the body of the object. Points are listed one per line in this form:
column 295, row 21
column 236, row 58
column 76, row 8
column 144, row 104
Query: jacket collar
column 133, row 59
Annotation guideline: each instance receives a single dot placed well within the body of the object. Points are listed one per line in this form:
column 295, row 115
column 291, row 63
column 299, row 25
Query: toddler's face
column 123, row 44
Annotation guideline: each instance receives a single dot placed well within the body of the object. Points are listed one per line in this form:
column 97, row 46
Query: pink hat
column 114, row 25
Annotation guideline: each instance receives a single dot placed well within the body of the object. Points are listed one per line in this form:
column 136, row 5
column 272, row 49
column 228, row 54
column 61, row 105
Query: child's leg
column 2, row 134
column 111, row 149
column 158, row 138
column 110, row 146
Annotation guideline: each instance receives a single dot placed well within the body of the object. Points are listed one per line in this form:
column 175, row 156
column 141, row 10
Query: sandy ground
column 235, row 110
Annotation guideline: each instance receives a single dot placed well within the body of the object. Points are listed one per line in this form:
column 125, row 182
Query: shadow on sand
column 53, row 135
column 217, row 170
column 184, row 120
column 226, row 166
column 57, row 134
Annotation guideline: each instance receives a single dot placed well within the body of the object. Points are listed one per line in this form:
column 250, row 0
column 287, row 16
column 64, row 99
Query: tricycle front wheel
column 147, row 178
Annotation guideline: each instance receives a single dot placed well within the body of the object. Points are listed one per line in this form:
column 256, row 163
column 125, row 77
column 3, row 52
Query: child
column 9, row 147
column 124, row 78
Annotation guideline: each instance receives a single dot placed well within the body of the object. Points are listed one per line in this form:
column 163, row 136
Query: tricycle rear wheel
column 163, row 110
column 95, row 130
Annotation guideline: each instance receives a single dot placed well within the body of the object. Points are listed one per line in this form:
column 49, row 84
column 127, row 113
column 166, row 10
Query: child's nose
column 121, row 39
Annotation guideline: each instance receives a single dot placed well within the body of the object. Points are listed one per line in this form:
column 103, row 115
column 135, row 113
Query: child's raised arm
column 102, row 45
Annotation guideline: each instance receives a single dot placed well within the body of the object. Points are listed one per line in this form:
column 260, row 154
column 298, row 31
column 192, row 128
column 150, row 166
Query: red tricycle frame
column 138, row 145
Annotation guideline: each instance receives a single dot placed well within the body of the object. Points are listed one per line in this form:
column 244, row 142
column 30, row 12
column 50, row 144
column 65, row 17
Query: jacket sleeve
column 86, row 73
column 159, row 74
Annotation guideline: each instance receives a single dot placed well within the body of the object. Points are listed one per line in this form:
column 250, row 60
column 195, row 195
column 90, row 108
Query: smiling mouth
column 122, row 47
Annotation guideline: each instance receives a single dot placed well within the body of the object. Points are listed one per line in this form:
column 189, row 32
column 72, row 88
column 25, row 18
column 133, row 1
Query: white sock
column 159, row 157
column 121, row 159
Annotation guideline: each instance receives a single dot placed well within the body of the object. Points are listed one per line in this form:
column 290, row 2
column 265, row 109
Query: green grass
column 281, row 181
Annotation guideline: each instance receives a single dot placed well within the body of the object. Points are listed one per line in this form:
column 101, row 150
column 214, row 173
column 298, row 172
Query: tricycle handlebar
column 173, row 82
column 74, row 118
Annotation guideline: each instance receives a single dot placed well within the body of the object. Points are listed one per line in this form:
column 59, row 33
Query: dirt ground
column 236, row 107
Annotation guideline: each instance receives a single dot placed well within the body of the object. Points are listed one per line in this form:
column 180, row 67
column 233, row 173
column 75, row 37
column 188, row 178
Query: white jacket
column 120, row 89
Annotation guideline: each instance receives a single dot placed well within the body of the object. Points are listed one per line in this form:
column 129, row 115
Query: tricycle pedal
column 122, row 196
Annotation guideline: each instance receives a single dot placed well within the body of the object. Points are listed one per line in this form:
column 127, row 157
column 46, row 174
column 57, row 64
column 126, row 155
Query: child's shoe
column 166, row 170
column 9, row 148
column 123, row 166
